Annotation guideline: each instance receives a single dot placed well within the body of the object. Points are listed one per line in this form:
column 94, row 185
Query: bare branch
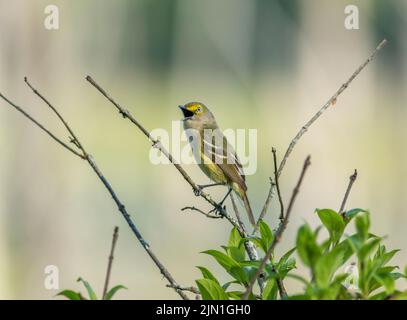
column 352, row 179
column 105, row 182
column 330, row 102
column 277, row 184
column 55, row 138
column 206, row 214
column 74, row 139
column 269, row 198
column 184, row 288
column 280, row 230
column 110, row 262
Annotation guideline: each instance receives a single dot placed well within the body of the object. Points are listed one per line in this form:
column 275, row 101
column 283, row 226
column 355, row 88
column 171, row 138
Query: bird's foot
column 218, row 209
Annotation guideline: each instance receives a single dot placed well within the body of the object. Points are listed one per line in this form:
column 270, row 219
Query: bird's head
column 197, row 114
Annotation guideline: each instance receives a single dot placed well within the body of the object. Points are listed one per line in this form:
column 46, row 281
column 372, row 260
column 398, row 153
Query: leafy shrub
column 368, row 274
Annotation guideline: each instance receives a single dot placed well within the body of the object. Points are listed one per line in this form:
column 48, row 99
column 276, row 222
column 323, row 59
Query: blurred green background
column 260, row 64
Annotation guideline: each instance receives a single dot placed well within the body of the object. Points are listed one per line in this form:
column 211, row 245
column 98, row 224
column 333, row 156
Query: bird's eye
column 199, row 110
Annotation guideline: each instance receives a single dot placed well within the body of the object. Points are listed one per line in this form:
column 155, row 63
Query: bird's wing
column 217, row 148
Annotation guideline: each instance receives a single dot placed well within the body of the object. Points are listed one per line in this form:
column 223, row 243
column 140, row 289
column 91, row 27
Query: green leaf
column 210, row 290
column 340, row 278
column 368, row 248
column 299, row 278
column 91, row 293
column 299, row 297
column 71, row 295
column 380, row 259
column 362, row 224
column 307, row 246
column 379, row 279
column 386, row 257
column 236, row 295
column 387, row 281
column 270, row 290
column 284, row 268
column 224, row 260
column 379, row 296
column 386, row 269
column 229, row 264
column 397, row 275
column 109, row 295
column 207, row 274
column 235, row 238
column 333, row 222
column 285, row 256
column 227, row 284
column 350, row 214
column 266, row 235
column 238, row 254
column 328, row 264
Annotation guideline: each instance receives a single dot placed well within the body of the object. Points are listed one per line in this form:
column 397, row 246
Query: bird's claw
column 218, row 209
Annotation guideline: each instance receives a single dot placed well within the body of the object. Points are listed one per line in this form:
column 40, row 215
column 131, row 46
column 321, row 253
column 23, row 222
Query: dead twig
column 330, row 102
column 110, row 262
column 185, row 288
column 206, row 214
column 352, row 179
column 280, row 199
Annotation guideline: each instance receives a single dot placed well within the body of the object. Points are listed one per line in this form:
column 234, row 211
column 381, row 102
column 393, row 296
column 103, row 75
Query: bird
column 213, row 153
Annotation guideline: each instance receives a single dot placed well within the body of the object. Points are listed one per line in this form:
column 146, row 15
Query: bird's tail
column 248, row 209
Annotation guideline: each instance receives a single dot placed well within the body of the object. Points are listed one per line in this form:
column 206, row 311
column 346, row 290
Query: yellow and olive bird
column 213, row 153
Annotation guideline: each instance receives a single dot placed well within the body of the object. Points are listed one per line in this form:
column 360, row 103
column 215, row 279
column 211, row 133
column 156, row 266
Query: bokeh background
column 260, row 64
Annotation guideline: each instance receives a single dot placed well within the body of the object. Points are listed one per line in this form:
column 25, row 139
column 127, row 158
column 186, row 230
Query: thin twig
column 84, row 155
column 278, row 185
column 267, row 203
column 59, row 141
column 352, row 179
column 110, row 261
column 280, row 230
column 330, row 102
column 206, row 214
column 74, row 139
column 184, row 288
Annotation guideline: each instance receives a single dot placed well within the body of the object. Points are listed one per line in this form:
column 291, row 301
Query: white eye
column 199, row 110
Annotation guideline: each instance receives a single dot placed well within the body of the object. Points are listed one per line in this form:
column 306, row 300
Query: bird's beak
column 187, row 113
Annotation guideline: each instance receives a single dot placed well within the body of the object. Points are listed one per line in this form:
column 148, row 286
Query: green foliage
column 109, row 294
column 333, row 222
column 341, row 266
column 72, row 295
column 235, row 262
column 211, row 290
